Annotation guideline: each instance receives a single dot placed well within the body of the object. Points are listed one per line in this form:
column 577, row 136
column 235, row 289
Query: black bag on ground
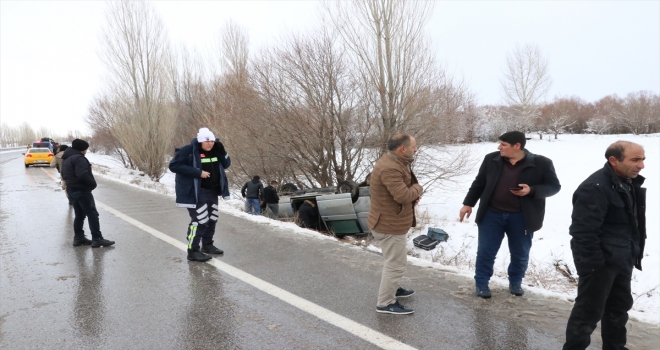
column 431, row 239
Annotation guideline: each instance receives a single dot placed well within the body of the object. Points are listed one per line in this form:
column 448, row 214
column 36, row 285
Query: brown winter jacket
column 394, row 189
column 57, row 161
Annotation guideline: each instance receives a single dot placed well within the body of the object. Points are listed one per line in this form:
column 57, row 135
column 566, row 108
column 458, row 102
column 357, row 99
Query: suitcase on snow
column 425, row 242
column 431, row 239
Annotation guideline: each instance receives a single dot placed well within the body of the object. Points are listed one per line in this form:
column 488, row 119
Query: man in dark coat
column 271, row 199
column 200, row 179
column 511, row 186
column 253, row 192
column 609, row 232
column 80, row 182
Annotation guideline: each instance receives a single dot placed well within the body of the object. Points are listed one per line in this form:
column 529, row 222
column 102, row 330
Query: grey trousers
column 395, row 258
column 274, row 210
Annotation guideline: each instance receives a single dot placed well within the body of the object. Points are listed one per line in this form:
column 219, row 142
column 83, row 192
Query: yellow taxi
column 38, row 156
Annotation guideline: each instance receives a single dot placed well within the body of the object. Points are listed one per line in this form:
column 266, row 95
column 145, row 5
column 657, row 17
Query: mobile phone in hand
column 516, row 188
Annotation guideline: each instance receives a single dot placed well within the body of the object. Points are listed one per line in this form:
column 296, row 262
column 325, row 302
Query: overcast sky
column 50, row 70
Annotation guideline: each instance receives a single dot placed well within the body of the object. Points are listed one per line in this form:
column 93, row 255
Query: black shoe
column 101, row 242
column 196, row 255
column 516, row 289
column 81, row 241
column 483, row 292
column 209, row 248
column 404, row 293
column 394, row 308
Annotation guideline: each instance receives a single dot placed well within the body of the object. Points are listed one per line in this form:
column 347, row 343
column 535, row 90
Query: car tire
column 351, row 187
column 27, row 165
column 289, row 187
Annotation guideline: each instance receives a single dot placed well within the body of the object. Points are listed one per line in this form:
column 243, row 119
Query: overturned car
column 342, row 209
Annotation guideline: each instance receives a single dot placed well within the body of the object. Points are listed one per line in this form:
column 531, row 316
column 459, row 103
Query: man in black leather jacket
column 609, row 231
column 511, row 188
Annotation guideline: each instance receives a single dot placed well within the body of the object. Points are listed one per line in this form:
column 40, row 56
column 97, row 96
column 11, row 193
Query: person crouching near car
column 80, row 182
column 394, row 194
column 200, row 179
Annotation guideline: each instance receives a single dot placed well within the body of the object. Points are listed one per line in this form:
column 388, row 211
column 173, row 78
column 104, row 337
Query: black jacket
column 253, row 189
column 604, row 227
column 76, row 171
column 537, row 172
column 270, row 195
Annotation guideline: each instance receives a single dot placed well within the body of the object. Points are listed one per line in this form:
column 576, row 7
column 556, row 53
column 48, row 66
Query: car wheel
column 351, row 187
column 288, row 188
column 27, row 165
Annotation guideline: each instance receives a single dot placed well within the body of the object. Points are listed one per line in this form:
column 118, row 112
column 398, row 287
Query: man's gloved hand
column 221, row 148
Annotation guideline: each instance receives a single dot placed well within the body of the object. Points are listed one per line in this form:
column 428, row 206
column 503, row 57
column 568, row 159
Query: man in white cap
column 200, row 179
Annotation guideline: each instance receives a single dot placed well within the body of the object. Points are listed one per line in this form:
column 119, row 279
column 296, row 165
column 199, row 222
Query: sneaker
column 516, row 289
column 404, row 293
column 101, row 242
column 209, row 248
column 81, row 241
column 483, row 292
column 196, row 255
column 394, row 308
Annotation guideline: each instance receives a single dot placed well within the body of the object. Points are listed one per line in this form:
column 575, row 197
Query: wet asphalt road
column 143, row 294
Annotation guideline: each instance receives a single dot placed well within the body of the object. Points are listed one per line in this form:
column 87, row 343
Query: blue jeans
column 84, row 206
column 253, row 205
column 492, row 228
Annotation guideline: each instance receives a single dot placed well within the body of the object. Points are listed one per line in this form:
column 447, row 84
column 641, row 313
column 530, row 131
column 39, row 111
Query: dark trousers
column 84, row 206
column 603, row 295
column 492, row 228
column 203, row 218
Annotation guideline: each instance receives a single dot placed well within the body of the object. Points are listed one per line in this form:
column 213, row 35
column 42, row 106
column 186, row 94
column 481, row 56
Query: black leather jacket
column 537, row 172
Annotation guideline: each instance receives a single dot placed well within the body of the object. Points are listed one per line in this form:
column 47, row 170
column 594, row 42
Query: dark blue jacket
column 537, row 172
column 604, row 227
column 76, row 171
column 187, row 165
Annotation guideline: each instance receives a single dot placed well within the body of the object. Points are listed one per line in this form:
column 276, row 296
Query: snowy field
column 575, row 157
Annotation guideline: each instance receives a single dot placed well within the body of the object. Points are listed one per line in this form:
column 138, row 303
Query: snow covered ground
column 575, row 157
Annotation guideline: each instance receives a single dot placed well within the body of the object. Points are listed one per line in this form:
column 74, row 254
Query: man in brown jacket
column 394, row 193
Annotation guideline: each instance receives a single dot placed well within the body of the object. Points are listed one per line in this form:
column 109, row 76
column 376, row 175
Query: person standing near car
column 271, row 199
column 57, row 164
column 200, row 179
column 511, row 186
column 253, row 192
column 80, row 182
column 609, row 232
column 394, row 194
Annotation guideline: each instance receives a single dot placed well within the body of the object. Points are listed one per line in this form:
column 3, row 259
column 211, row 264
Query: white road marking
column 379, row 339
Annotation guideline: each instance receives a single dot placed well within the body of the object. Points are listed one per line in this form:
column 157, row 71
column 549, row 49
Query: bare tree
column 26, row 134
column 639, row 113
column 9, row 136
column 388, row 43
column 136, row 53
column 561, row 114
column 311, row 125
column 525, row 83
column 103, row 116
